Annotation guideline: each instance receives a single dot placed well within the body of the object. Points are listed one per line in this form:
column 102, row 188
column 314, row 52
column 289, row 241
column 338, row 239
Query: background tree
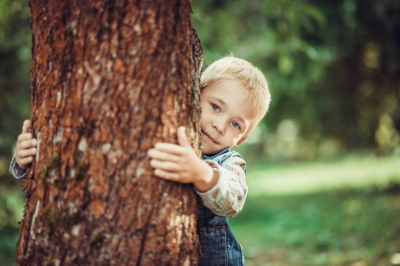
column 108, row 80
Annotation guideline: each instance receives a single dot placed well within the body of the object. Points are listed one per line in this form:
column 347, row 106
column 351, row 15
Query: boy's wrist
column 208, row 179
column 22, row 166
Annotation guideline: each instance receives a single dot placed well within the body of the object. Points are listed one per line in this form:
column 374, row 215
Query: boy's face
column 226, row 115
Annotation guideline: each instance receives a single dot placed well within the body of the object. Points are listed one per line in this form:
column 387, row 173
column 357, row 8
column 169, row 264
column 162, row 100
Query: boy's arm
column 228, row 195
column 223, row 191
column 16, row 170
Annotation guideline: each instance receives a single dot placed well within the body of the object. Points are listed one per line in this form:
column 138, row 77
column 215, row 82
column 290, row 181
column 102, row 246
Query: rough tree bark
column 108, row 80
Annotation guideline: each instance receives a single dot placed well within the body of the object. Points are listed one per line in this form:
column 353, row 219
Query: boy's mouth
column 208, row 136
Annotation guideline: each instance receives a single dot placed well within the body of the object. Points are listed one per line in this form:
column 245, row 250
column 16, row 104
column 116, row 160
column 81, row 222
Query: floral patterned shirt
column 227, row 197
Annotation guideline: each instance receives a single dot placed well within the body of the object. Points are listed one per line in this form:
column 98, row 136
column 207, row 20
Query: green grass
column 341, row 213
column 337, row 228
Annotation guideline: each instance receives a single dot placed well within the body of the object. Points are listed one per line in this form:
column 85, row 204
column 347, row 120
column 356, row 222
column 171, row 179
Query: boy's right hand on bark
column 26, row 146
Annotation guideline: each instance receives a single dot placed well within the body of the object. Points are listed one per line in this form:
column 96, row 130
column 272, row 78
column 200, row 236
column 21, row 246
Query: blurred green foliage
column 11, row 203
column 333, row 69
column 15, row 55
column 14, row 76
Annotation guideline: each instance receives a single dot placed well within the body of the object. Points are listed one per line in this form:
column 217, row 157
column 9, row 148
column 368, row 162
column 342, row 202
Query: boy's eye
column 235, row 124
column 215, row 107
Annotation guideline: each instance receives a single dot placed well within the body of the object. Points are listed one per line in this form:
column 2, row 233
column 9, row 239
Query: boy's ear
column 241, row 140
column 252, row 126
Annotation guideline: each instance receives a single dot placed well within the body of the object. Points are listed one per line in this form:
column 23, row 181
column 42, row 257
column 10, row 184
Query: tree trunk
column 108, row 80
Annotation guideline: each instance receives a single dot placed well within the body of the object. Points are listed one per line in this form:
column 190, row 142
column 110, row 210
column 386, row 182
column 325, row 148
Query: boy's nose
column 219, row 127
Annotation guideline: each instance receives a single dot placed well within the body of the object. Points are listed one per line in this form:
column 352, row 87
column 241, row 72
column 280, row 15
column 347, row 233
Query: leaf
column 285, row 64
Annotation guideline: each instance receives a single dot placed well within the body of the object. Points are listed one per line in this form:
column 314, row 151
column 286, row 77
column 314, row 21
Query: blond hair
column 249, row 77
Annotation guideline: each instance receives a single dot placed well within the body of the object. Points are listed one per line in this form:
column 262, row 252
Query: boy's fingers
column 24, row 136
column 169, row 148
column 166, row 166
column 166, row 175
column 26, row 126
column 27, row 144
column 182, row 138
column 26, row 153
column 24, row 163
column 163, row 156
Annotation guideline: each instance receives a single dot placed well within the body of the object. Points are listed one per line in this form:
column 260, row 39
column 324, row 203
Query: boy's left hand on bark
column 180, row 163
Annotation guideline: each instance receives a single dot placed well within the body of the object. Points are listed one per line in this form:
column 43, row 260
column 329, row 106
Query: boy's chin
column 210, row 151
column 206, row 151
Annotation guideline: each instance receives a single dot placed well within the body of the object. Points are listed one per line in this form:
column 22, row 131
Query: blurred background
column 323, row 166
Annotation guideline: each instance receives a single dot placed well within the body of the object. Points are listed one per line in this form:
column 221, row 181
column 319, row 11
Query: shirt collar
column 212, row 156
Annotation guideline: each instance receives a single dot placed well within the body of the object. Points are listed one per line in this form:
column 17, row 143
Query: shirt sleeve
column 227, row 197
column 16, row 170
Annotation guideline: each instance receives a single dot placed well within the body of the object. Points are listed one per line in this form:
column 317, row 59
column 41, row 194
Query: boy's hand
column 180, row 163
column 26, row 147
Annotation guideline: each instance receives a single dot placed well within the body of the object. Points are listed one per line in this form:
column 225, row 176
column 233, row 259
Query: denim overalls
column 218, row 245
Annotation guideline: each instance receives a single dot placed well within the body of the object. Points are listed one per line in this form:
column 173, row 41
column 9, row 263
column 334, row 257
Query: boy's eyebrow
column 241, row 120
column 220, row 101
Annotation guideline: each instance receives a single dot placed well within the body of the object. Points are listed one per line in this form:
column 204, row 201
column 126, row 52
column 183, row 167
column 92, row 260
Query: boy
column 234, row 99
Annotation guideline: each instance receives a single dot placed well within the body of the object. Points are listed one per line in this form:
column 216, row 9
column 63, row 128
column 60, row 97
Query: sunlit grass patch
column 309, row 177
